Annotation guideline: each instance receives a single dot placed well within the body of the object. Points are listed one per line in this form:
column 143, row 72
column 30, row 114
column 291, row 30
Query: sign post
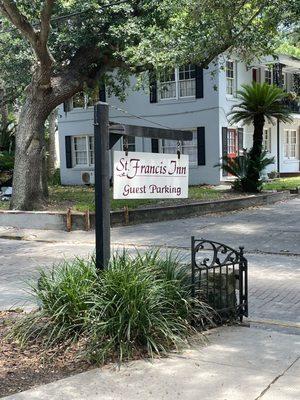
column 105, row 137
column 102, row 197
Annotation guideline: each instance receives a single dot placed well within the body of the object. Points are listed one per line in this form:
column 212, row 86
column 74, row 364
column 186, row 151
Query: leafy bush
column 6, row 161
column 62, row 295
column 139, row 305
column 55, row 178
column 240, row 167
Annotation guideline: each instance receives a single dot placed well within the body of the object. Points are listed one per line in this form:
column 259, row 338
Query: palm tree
column 259, row 103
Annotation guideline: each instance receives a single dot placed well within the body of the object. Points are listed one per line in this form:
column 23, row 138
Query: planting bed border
column 55, row 220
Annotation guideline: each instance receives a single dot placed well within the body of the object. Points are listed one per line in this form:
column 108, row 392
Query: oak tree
column 72, row 45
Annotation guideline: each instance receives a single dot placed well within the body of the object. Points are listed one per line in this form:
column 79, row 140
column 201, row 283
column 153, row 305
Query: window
column 232, row 141
column 91, row 150
column 187, row 83
column 190, row 148
column 267, row 139
column 283, row 80
column 83, row 150
column 268, row 76
column 178, row 83
column 230, row 77
column 291, row 144
column 168, row 85
column 130, row 142
column 186, row 147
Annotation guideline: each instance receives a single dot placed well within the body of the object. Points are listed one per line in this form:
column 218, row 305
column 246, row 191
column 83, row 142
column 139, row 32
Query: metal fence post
column 193, row 266
column 102, row 195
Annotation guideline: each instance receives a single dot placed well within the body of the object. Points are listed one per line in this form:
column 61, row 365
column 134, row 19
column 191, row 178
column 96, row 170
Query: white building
column 195, row 99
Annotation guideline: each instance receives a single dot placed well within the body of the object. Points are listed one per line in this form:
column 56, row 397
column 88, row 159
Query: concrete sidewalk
column 238, row 363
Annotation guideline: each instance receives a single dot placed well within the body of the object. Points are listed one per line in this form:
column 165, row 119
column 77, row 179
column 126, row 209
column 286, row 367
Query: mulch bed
column 22, row 369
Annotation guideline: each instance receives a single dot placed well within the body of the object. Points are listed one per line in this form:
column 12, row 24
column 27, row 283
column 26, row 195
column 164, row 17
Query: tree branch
column 12, row 13
column 46, row 13
column 38, row 40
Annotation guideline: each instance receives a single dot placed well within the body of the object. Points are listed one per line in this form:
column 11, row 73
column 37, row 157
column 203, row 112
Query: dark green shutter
column 153, row 87
column 224, row 145
column 154, row 146
column 240, row 138
column 68, row 150
column 201, row 145
column 199, row 82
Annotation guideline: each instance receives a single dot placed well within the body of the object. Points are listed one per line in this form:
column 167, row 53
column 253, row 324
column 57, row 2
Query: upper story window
column 291, row 146
column 178, row 83
column 187, row 82
column 230, row 77
column 83, row 150
column 268, row 76
column 267, row 139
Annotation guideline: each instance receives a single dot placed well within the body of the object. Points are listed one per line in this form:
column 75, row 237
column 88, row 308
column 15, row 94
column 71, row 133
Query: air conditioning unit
column 87, row 177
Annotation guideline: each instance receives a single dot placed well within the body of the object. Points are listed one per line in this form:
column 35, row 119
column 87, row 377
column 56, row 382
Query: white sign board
column 150, row 176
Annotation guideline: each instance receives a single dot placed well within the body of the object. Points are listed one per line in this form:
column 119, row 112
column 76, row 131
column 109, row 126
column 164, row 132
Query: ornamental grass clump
column 140, row 305
column 62, row 296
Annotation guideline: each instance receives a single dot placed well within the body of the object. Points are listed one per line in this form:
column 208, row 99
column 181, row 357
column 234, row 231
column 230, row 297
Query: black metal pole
column 102, row 197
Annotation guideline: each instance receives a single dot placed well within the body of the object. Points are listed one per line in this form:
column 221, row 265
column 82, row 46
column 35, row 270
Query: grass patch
column 81, row 198
column 140, row 305
column 283, row 183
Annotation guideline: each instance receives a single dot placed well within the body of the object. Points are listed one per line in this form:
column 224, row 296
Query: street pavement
column 237, row 363
column 270, row 235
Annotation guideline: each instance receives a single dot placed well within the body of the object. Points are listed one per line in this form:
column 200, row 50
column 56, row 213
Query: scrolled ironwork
column 222, row 254
column 220, row 277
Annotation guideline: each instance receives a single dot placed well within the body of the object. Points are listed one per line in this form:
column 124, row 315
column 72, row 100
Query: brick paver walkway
column 270, row 234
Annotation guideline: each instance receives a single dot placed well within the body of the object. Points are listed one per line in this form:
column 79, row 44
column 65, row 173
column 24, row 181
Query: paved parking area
column 270, row 234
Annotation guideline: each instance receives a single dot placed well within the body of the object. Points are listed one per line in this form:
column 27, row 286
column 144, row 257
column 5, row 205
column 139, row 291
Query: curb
column 85, row 221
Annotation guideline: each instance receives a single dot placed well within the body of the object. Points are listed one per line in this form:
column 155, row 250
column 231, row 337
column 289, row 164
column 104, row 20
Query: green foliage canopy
column 140, row 34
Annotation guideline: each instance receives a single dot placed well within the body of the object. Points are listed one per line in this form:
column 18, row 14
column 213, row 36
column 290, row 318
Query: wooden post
column 102, row 196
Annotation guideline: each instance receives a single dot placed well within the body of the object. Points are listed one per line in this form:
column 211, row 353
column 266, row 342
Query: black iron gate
column 220, row 278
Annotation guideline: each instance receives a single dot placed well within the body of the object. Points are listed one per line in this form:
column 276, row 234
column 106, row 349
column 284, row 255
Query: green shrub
column 55, row 178
column 240, row 167
column 62, row 296
column 6, row 161
column 141, row 304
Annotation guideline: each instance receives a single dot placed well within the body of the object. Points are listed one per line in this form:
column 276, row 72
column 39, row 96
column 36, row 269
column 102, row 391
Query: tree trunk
column 51, row 159
column 28, row 191
column 253, row 176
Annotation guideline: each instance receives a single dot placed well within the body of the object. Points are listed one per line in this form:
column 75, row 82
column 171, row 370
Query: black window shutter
column 224, row 145
column 240, row 138
column 154, row 145
column 153, row 87
column 68, row 151
column 201, row 145
column 68, row 105
column 199, row 82
column 102, row 93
